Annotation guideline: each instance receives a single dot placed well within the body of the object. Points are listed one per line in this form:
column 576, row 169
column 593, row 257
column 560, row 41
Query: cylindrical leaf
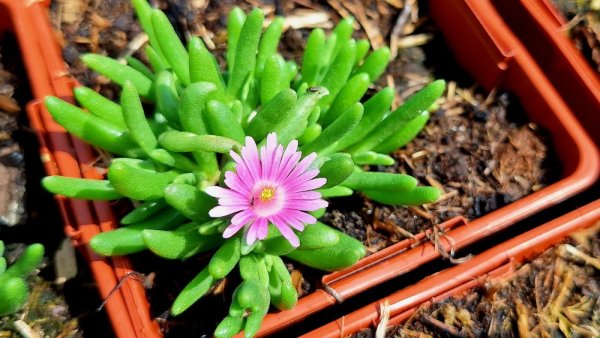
column 312, row 60
column 225, row 258
column 119, row 73
column 275, row 113
column 413, row 107
column 336, row 169
column 135, row 119
column 344, row 254
column 92, row 129
column 171, row 46
column 404, row 135
column 13, row 295
column 338, row 73
column 167, row 99
column 334, row 132
column 245, row 54
column 128, row 240
column 268, row 43
column 143, row 211
column 204, row 67
column 223, row 122
column 181, row 243
column 378, row 181
column 350, row 94
column 82, row 188
column 195, row 289
column 374, row 110
column 235, row 21
column 139, row 180
column 189, row 200
column 375, row 63
column 417, row 196
column 100, row 106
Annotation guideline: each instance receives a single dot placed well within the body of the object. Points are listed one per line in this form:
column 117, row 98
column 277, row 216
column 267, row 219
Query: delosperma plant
column 243, row 160
column 13, row 287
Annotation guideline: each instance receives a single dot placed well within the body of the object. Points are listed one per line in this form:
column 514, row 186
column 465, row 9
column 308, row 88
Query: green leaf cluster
column 179, row 117
column 13, row 286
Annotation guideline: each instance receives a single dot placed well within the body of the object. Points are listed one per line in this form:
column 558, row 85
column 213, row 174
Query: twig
column 25, row 330
column 338, row 298
column 398, row 29
column 587, row 259
column 443, row 327
column 384, row 318
column 146, row 281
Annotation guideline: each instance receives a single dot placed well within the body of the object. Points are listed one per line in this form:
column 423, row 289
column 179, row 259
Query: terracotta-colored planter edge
column 498, row 261
column 59, row 152
column 541, row 25
column 499, row 51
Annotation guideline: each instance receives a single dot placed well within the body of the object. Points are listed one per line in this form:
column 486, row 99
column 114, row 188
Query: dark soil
column 12, row 166
column 584, row 28
column 474, row 152
column 554, row 295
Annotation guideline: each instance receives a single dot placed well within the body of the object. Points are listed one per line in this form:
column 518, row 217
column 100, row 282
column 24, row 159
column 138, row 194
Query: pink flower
column 275, row 187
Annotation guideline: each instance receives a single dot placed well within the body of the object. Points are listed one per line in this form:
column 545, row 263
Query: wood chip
column 421, row 212
column 395, row 3
column 9, row 105
column 335, row 4
column 307, row 19
column 99, row 22
column 135, row 44
column 413, row 40
column 71, row 10
column 372, row 31
column 297, row 279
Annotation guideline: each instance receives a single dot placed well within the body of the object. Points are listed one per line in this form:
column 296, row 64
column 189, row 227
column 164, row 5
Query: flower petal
column 307, row 185
column 311, row 205
column 289, row 234
column 303, row 195
column 231, row 230
column 302, row 166
column 262, row 226
column 252, row 233
column 286, row 167
column 243, row 217
column 292, row 182
column 218, row 192
column 301, row 216
column 284, row 219
column 220, row 211
column 235, row 182
column 272, row 175
column 251, row 159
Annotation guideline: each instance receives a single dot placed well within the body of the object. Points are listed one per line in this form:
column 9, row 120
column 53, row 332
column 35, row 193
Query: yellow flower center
column 267, row 194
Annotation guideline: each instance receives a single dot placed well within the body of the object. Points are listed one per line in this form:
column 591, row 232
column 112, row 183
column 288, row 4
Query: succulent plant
column 242, row 160
column 13, row 287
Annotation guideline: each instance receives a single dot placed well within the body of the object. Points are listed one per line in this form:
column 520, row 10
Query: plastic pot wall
column 63, row 155
column 541, row 27
column 498, row 261
column 487, row 50
column 495, row 58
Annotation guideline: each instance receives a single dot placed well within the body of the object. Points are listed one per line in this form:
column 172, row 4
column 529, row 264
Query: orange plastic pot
column 495, row 58
column 498, row 261
column 64, row 155
column 541, row 27
column 487, row 50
